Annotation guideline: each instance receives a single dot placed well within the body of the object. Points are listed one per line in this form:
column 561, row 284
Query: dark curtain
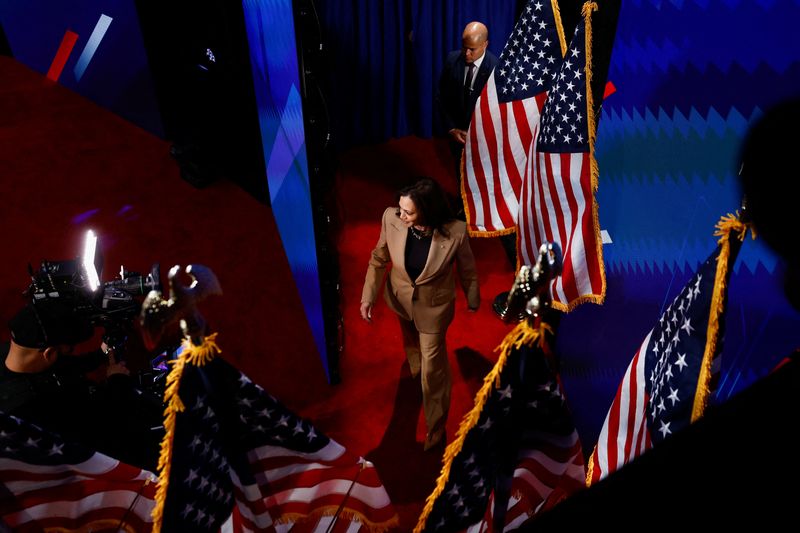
column 384, row 59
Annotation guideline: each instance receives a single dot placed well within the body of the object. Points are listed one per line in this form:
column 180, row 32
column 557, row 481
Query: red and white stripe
column 547, row 473
column 557, row 205
column 624, row 435
column 98, row 494
column 496, row 153
column 292, row 484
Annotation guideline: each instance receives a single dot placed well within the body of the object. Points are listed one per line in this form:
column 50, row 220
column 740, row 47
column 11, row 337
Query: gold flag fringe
column 197, row 356
column 493, row 233
column 727, row 224
column 586, row 298
column 590, row 468
column 522, row 334
column 462, row 170
column 562, row 39
column 586, row 11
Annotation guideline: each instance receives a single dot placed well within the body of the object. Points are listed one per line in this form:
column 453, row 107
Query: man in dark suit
column 464, row 74
column 463, row 77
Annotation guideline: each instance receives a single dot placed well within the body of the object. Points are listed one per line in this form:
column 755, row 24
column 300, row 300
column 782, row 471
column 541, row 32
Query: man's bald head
column 474, row 41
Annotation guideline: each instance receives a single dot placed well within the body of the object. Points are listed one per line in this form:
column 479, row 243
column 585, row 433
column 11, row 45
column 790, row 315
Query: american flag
column 557, row 199
column 501, row 129
column 52, row 485
column 520, row 453
column 667, row 384
column 235, row 446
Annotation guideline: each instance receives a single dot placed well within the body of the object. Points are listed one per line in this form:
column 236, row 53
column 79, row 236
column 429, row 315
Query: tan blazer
column 428, row 300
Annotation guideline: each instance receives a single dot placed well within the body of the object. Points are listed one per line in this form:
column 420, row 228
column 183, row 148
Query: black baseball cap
column 49, row 323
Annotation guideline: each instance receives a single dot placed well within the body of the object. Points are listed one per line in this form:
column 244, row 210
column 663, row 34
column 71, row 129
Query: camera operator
column 42, row 382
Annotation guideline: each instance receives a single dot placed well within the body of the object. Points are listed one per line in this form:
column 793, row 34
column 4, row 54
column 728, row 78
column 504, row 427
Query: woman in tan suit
column 422, row 240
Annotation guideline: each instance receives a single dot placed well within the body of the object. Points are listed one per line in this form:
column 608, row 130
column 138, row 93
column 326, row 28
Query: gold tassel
column 522, row 334
column 725, row 226
column 198, row 356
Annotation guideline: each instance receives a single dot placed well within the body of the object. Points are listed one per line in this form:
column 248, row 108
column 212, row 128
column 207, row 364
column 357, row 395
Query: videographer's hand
column 117, row 368
column 114, row 366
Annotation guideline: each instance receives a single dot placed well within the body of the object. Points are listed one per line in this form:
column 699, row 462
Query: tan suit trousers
column 427, row 356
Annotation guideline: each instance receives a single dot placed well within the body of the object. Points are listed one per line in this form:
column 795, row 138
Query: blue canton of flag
column 521, row 455
column 47, row 484
column 531, row 56
column 675, row 353
column 671, row 376
column 564, row 126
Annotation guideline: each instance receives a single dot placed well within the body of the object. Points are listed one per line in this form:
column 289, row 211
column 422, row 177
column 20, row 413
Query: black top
column 417, row 248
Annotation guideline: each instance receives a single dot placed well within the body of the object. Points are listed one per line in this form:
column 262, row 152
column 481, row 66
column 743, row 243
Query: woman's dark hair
column 430, row 201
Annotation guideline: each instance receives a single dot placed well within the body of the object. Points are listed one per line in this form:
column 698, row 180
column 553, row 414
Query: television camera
column 76, row 285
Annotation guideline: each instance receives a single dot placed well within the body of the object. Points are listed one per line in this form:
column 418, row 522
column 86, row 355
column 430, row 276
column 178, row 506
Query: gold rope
column 522, row 334
column 197, row 356
column 725, row 226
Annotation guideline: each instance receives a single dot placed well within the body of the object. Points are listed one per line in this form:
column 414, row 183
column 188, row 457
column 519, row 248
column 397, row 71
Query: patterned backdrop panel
column 691, row 76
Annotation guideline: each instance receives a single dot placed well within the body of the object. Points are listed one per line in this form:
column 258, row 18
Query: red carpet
column 69, row 165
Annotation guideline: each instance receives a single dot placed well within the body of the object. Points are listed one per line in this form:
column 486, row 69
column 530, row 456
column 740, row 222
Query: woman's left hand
column 366, row 311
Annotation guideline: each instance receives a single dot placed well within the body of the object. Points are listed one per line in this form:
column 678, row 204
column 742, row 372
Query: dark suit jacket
column 455, row 108
column 428, row 300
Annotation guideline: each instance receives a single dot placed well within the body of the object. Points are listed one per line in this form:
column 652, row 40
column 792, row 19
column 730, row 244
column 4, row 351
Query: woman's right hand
column 366, row 311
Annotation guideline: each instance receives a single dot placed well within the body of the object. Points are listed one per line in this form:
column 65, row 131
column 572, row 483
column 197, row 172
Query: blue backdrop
column 107, row 63
column 691, row 77
column 386, row 58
